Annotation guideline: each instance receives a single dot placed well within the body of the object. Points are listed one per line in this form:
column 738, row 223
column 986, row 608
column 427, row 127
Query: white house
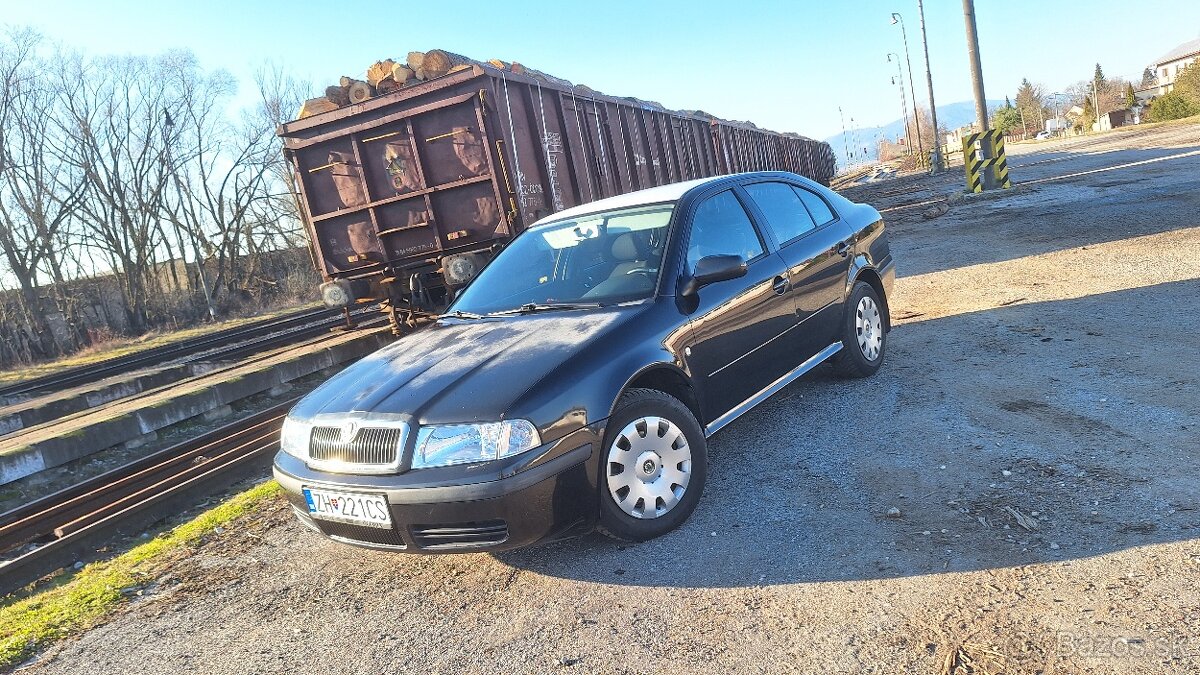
column 1167, row 68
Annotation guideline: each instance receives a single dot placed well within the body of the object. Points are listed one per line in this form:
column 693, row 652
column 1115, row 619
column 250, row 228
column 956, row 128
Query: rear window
column 786, row 215
column 820, row 211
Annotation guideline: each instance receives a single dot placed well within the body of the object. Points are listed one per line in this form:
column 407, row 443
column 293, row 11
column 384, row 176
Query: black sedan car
column 572, row 384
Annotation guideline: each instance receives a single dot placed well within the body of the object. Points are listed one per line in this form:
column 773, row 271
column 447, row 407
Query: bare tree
column 132, row 178
column 221, row 181
column 117, row 115
column 38, row 193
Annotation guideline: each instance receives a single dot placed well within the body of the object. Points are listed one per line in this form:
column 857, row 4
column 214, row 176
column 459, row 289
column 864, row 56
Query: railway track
column 228, row 344
column 50, row 532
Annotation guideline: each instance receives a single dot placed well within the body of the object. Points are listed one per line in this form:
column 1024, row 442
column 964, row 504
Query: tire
column 645, row 498
column 863, row 334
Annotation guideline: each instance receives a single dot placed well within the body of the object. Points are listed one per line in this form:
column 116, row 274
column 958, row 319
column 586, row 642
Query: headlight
column 466, row 443
column 293, row 439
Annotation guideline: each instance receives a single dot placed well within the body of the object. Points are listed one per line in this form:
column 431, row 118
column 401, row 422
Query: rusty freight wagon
column 408, row 194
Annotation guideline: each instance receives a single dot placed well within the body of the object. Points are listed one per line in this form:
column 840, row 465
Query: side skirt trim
column 745, row 406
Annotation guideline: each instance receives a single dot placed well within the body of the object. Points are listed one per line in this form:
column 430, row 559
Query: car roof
column 671, row 192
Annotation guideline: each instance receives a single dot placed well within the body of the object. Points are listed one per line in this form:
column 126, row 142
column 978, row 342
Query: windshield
column 606, row 257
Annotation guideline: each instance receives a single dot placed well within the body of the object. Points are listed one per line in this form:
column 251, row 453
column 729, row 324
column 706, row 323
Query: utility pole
column 937, row 142
column 854, row 130
column 903, row 101
column 976, row 67
column 845, row 149
column 1096, row 101
column 897, row 19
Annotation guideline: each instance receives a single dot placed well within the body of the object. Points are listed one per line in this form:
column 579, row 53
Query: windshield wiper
column 459, row 314
column 532, row 307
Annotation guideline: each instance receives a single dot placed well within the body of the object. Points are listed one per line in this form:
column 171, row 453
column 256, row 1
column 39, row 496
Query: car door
column 735, row 323
column 815, row 245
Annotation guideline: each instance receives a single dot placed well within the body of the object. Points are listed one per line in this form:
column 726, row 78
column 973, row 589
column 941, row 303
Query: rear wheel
column 864, row 334
column 653, row 466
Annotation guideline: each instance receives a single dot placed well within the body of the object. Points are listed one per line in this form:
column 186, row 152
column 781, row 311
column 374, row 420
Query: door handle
column 843, row 248
column 780, row 285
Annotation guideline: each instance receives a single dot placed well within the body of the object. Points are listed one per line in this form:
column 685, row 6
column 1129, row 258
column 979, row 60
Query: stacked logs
column 388, row 75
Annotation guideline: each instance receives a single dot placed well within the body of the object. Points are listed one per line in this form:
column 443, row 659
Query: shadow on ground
column 1088, row 438
column 1053, row 216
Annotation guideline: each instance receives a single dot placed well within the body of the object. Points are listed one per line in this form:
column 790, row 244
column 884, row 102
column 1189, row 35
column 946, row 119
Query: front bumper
column 551, row 497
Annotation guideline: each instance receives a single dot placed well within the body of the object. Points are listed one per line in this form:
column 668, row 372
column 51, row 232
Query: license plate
column 358, row 508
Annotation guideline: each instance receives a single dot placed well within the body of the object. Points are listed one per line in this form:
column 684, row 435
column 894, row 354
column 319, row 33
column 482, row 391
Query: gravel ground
column 1035, row 426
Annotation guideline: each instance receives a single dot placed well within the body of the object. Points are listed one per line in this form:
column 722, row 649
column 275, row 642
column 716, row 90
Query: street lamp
column 1058, row 120
column 899, row 79
column 896, row 18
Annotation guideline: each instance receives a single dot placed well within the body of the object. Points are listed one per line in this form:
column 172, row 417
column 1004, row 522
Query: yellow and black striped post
column 1000, row 170
column 971, row 163
column 988, row 164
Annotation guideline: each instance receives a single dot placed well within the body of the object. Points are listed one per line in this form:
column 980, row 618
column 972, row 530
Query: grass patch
column 122, row 346
column 78, row 600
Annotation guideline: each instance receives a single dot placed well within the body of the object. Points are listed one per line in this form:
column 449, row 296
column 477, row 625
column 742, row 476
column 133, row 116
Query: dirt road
column 1036, row 426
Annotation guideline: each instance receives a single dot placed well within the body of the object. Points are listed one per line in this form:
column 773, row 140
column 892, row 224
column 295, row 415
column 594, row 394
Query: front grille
column 368, row 535
column 460, row 534
column 379, row 445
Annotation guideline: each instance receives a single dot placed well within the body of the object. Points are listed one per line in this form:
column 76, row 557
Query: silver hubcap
column 869, row 326
column 649, row 466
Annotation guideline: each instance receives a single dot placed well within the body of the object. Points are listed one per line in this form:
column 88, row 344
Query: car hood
column 461, row 370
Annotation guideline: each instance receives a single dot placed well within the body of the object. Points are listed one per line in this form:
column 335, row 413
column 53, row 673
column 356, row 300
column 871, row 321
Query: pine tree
column 1098, row 76
column 1007, row 102
column 1147, row 77
column 1130, row 97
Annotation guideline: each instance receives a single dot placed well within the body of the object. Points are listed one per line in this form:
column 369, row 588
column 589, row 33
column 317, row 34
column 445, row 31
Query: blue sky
column 783, row 65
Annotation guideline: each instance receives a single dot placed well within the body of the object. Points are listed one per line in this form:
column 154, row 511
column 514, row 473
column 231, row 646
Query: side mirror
column 711, row 269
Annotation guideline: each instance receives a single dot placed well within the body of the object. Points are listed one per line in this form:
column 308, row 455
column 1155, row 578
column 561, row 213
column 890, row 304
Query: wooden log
column 338, row 95
column 360, row 91
column 378, row 71
column 387, row 86
column 346, row 81
column 414, row 61
column 499, row 64
column 401, row 74
column 315, row 106
column 437, row 63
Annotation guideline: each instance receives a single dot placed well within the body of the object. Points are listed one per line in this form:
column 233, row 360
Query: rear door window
column 820, row 211
column 786, row 215
column 721, row 227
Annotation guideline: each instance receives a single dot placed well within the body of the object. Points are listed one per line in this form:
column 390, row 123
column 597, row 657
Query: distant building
column 954, row 139
column 1114, row 119
column 1167, row 68
column 1056, row 124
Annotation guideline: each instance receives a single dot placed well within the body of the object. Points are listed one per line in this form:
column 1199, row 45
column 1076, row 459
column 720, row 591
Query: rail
column 231, row 343
column 65, row 525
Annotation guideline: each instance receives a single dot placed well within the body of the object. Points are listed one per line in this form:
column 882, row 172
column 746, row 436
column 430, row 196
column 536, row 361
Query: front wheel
column 653, row 466
column 864, row 334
